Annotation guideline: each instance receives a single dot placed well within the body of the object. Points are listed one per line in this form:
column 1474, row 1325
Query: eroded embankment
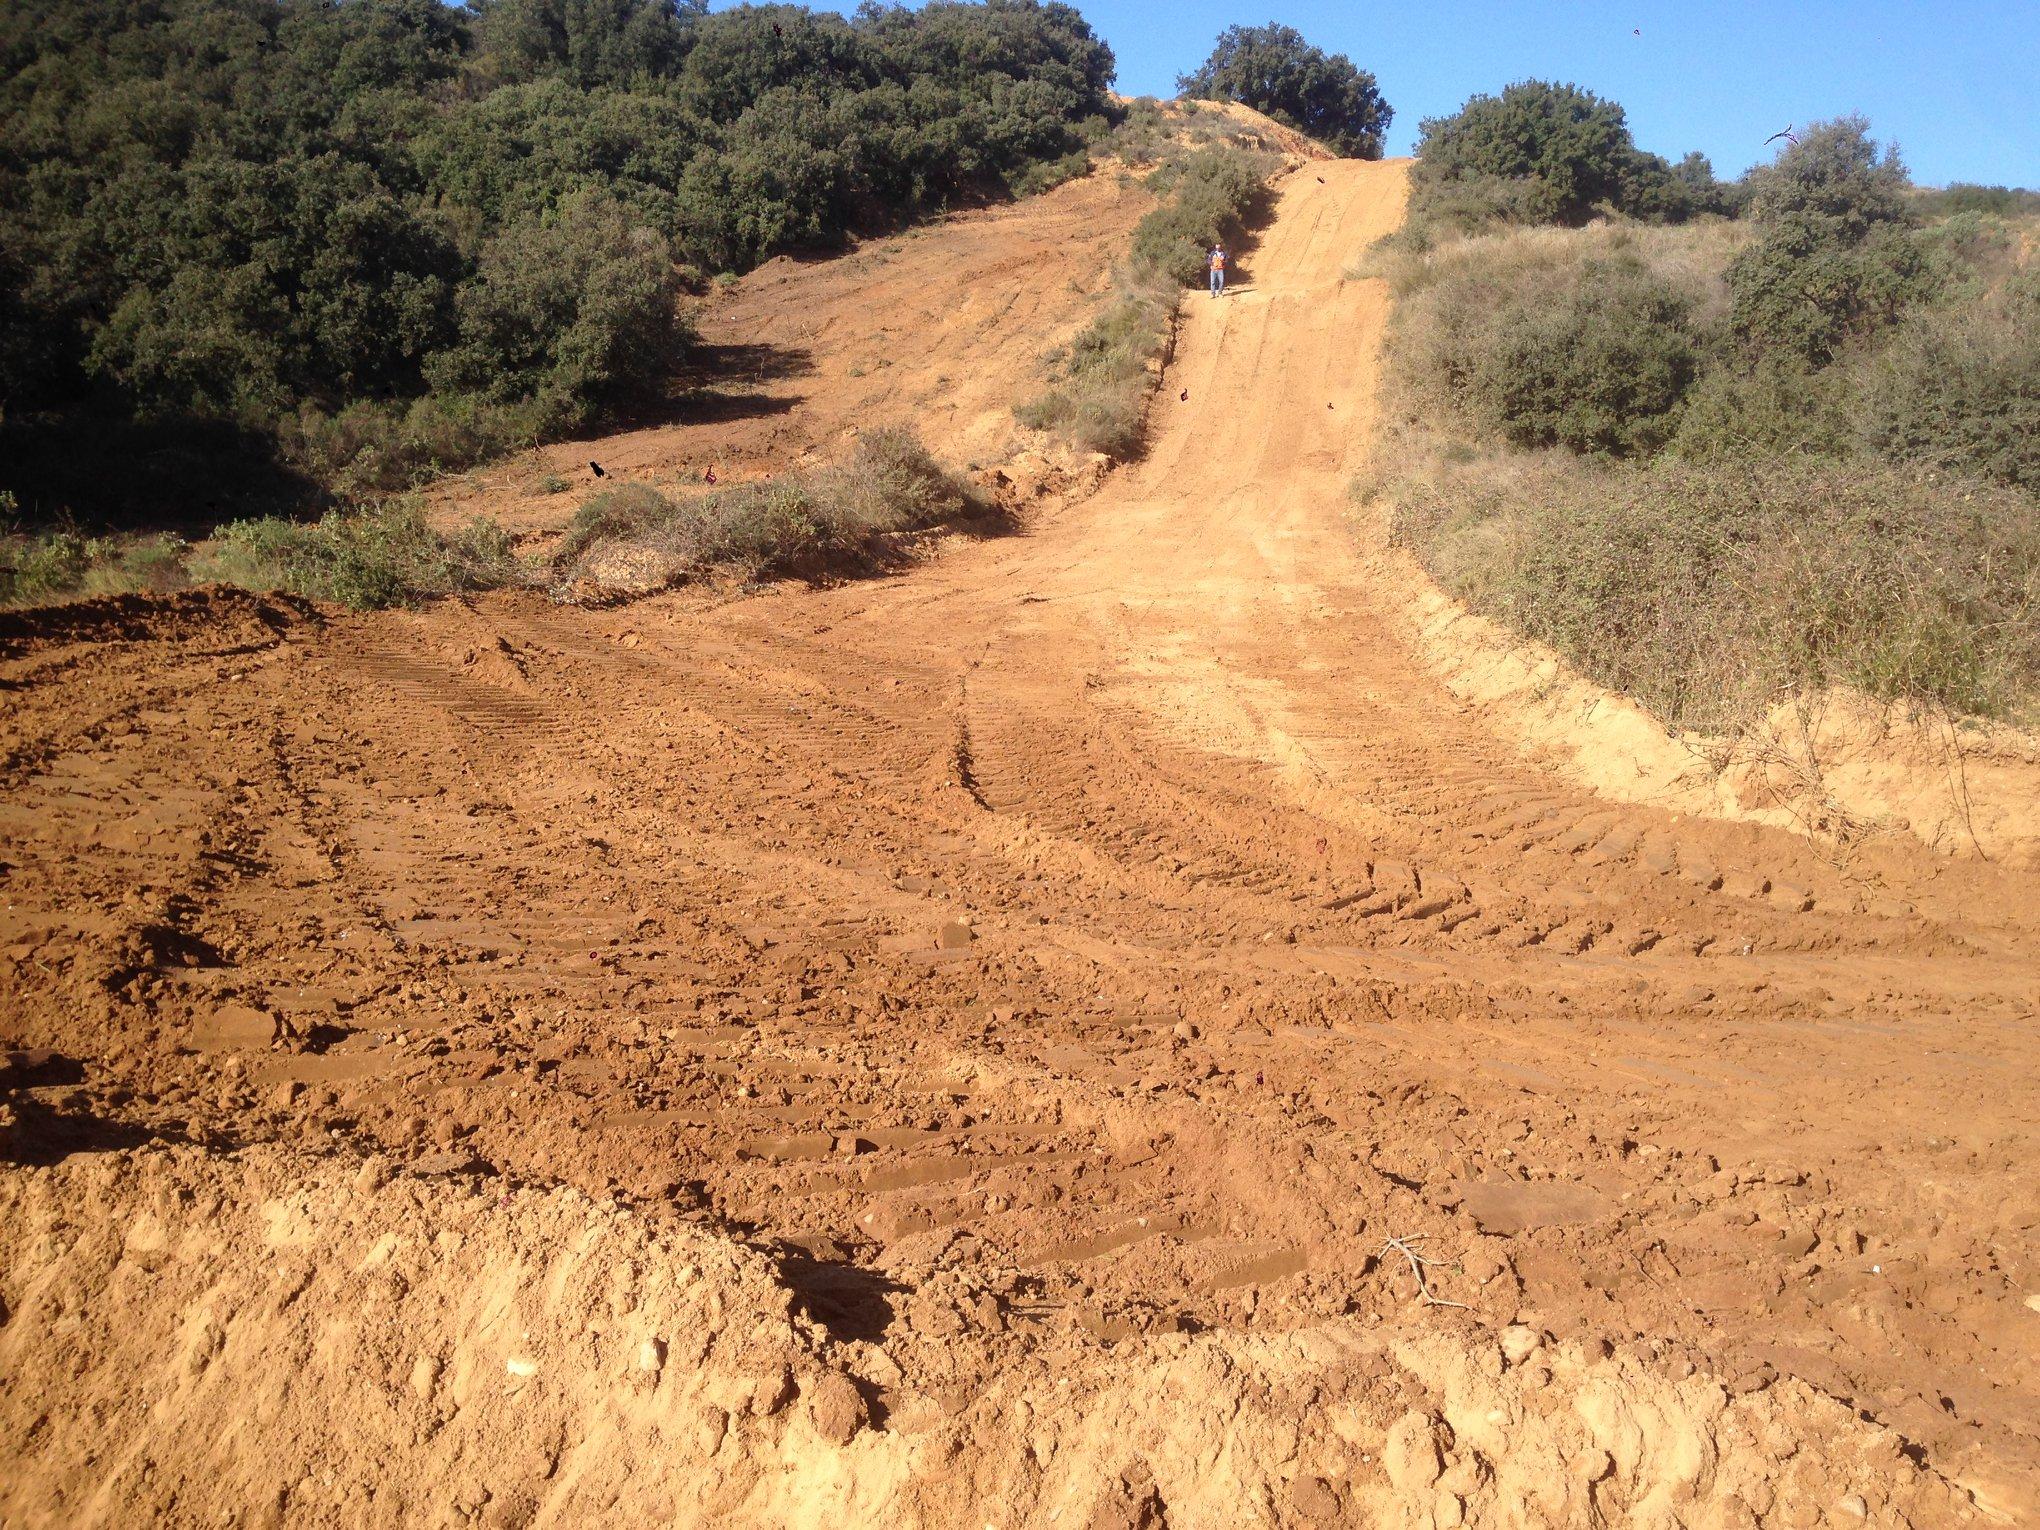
column 267, row 1337
column 1840, row 766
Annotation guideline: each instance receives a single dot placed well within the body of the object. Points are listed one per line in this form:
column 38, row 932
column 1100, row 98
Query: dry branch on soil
column 1418, row 1263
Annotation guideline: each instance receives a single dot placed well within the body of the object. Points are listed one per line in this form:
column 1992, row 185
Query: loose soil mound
column 266, row 1338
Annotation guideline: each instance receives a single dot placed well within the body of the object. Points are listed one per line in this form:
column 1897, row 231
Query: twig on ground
column 1417, row 1265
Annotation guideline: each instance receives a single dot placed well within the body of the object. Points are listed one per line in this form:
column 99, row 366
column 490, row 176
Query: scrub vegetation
column 1715, row 462
column 353, row 244
column 1101, row 381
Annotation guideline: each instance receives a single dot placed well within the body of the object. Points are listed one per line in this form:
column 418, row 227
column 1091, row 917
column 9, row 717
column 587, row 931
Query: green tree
column 1833, row 254
column 568, row 310
column 1564, row 153
column 1275, row 71
column 296, row 219
column 591, row 42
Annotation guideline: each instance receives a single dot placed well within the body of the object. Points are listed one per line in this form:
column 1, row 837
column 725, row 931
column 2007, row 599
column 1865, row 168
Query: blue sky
column 1956, row 83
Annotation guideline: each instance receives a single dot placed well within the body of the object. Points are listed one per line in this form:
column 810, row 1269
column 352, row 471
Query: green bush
column 1740, row 515
column 1834, row 255
column 376, row 556
column 1213, row 195
column 1776, row 407
column 1967, row 197
column 42, row 566
column 1710, row 594
column 370, row 558
column 1546, row 153
column 1275, row 71
column 298, row 219
column 1603, row 369
column 1537, row 344
column 839, row 516
column 568, row 312
column 371, row 448
column 1957, row 387
column 1047, row 174
column 1100, row 382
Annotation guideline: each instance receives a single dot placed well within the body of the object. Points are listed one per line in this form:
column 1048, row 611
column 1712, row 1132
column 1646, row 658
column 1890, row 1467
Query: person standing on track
column 1215, row 264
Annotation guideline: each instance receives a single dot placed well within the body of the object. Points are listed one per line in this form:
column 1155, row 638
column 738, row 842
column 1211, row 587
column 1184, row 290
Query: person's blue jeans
column 1217, row 283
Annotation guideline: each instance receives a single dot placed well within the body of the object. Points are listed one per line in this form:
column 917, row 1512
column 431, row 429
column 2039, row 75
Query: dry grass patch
column 846, row 516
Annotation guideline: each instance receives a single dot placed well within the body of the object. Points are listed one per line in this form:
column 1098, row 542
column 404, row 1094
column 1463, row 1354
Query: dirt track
column 1272, row 954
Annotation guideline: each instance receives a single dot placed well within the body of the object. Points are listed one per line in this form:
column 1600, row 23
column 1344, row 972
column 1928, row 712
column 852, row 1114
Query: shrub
column 1100, row 382
column 371, row 448
column 839, row 515
column 1275, row 71
column 1825, row 513
column 1833, row 256
column 1211, row 196
column 1603, row 369
column 1777, row 407
column 41, row 566
column 1711, row 594
column 370, row 558
column 1957, row 387
column 1967, row 197
column 1559, row 154
column 1536, row 344
column 567, row 313
column 299, row 219
column 1047, row 174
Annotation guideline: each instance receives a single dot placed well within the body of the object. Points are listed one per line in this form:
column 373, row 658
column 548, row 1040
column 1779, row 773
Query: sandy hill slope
column 941, row 327
column 991, row 1046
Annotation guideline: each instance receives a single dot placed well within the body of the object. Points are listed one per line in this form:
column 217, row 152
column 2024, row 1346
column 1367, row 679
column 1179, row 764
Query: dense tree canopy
column 1550, row 153
column 256, row 211
column 1833, row 253
column 1275, row 71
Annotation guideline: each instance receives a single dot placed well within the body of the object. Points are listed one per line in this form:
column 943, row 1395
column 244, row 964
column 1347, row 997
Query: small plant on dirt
column 370, row 558
column 835, row 518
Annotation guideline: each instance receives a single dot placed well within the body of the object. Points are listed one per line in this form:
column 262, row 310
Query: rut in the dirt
column 1238, row 950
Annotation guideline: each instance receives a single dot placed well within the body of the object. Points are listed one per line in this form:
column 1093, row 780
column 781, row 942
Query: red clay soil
column 1011, row 1044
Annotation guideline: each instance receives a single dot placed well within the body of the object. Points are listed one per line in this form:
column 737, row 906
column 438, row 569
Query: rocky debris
column 1130, row 1502
column 955, row 934
column 1519, row 1343
column 1789, row 897
column 1410, row 1455
column 483, row 1363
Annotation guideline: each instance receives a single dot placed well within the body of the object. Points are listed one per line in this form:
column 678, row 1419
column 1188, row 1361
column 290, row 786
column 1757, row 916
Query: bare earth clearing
column 954, row 1049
